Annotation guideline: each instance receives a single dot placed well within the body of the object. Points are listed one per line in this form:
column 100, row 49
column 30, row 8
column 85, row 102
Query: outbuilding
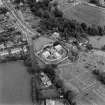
column 46, row 54
column 58, row 47
column 57, row 55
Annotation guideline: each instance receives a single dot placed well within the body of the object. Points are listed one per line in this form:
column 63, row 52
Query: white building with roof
column 56, row 35
column 53, row 102
column 45, row 54
column 16, row 50
column 57, row 55
column 58, row 47
column 4, row 53
column 50, row 102
column 45, row 80
column 2, row 46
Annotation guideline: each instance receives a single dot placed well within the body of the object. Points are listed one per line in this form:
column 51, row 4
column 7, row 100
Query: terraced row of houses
column 49, row 50
column 13, row 53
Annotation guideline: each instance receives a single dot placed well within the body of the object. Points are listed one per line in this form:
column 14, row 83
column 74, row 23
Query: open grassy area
column 14, row 84
column 78, row 76
column 97, row 41
column 85, row 13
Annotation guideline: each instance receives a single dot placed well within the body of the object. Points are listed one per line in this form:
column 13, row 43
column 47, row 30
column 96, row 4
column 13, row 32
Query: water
column 14, row 84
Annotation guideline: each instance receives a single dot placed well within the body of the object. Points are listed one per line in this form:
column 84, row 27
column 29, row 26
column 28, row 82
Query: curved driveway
column 20, row 23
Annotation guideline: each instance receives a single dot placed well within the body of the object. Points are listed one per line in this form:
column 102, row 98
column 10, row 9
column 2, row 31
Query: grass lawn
column 14, row 84
column 79, row 78
column 97, row 41
column 85, row 13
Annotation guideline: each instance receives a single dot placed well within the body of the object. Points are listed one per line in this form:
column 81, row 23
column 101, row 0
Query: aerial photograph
column 52, row 52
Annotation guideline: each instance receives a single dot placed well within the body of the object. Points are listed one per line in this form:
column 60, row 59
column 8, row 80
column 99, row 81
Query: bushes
column 69, row 28
column 53, row 19
column 28, row 62
column 94, row 1
column 3, row 10
column 18, row 1
column 103, row 48
column 57, row 13
column 50, row 71
column 100, row 76
column 84, row 26
column 69, row 95
column 89, row 46
column 39, row 8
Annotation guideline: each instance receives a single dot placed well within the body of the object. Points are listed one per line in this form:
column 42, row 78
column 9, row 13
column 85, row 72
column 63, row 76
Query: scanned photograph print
column 52, row 52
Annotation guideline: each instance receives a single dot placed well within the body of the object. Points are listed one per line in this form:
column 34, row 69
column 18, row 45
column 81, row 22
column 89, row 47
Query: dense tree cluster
column 18, row 1
column 52, row 19
column 34, row 90
column 40, row 9
column 9, row 34
column 94, row 1
column 99, row 75
column 49, row 70
column 3, row 10
column 28, row 62
column 103, row 48
column 69, row 28
column 69, row 95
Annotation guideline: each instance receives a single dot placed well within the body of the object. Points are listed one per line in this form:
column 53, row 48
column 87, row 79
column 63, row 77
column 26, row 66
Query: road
column 21, row 24
column 23, row 27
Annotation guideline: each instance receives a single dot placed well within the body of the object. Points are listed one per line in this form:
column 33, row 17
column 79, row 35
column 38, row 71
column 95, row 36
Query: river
column 14, row 84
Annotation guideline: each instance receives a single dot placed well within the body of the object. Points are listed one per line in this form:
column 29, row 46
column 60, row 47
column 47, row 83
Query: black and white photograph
column 52, row 52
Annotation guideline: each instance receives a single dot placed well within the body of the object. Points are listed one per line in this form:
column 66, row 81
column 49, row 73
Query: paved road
column 20, row 23
column 23, row 27
column 15, row 14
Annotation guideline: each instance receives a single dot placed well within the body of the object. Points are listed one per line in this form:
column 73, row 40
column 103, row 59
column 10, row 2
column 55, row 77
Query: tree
column 84, row 26
column 96, row 72
column 50, row 71
column 3, row 10
column 18, row 1
column 28, row 62
column 92, row 30
column 46, row 14
column 94, row 1
column 100, row 76
column 89, row 46
column 103, row 48
column 57, row 13
column 31, row 70
column 58, row 82
column 100, row 30
column 70, row 95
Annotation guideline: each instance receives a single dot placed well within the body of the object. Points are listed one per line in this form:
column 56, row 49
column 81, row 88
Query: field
column 85, row 13
column 14, row 84
column 80, row 79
